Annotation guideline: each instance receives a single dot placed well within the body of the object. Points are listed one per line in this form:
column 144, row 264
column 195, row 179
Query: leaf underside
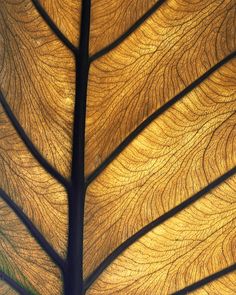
column 5, row 289
column 139, row 123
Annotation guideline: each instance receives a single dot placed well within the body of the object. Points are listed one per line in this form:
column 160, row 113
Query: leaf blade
column 37, row 79
column 181, row 251
column 224, row 285
column 40, row 197
column 111, row 19
column 175, row 156
column 66, row 15
column 22, row 259
column 166, row 54
column 5, row 288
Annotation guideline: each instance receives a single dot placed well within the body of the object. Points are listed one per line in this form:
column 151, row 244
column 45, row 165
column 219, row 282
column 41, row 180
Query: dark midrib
column 13, row 284
column 33, row 230
column 74, row 277
column 33, row 150
column 107, row 261
column 138, row 23
column 206, row 280
column 53, row 26
column 153, row 116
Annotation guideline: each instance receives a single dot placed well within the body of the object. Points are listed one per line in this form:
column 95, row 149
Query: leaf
column 111, row 19
column 224, row 285
column 188, row 247
column 179, row 153
column 65, row 14
column 117, row 147
column 32, row 72
column 6, row 290
column 175, row 46
column 39, row 195
column 22, row 259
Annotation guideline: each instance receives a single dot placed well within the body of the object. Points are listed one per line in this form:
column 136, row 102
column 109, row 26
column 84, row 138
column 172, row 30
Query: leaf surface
column 6, row 289
column 188, row 247
column 112, row 18
column 66, row 15
column 22, row 258
column 183, row 150
column 224, row 285
column 39, row 195
column 37, row 78
column 175, row 46
column 117, row 147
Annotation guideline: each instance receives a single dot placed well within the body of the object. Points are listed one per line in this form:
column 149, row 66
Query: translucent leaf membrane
column 6, row 289
column 177, row 155
column 22, row 259
column 111, row 18
column 225, row 285
column 190, row 246
column 177, row 44
column 37, row 79
column 66, row 15
column 39, row 195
